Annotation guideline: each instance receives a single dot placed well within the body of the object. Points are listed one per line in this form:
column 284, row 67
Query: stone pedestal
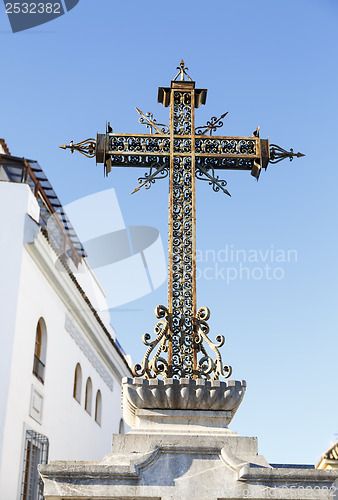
column 183, row 453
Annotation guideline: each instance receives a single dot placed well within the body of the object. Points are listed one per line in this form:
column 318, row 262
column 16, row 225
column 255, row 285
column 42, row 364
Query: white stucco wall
column 35, row 289
column 15, row 200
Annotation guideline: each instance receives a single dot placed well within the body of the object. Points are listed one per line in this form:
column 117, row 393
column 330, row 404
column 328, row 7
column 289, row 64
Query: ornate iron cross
column 185, row 153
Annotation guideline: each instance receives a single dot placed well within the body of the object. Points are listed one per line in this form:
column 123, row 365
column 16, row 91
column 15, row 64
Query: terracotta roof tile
column 4, row 147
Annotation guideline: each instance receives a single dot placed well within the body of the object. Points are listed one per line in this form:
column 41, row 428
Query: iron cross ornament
column 183, row 153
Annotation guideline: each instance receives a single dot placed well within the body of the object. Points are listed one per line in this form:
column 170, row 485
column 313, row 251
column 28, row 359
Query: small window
column 89, row 390
column 39, row 363
column 36, row 452
column 77, row 383
column 121, row 426
column 98, row 407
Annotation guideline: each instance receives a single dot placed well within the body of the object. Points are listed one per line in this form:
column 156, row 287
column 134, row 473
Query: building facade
column 329, row 459
column 61, row 365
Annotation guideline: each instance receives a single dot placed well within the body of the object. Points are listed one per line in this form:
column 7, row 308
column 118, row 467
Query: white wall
column 15, row 202
column 34, row 289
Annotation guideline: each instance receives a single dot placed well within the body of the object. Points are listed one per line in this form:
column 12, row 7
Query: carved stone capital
column 181, row 394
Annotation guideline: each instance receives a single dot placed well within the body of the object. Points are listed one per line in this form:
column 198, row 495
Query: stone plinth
column 183, row 454
column 181, row 422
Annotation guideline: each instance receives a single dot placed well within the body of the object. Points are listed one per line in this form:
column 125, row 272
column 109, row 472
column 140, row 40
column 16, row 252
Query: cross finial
column 182, row 72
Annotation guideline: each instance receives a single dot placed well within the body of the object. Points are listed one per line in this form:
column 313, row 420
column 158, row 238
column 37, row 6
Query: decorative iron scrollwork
column 182, row 272
column 150, row 122
column 182, row 145
column 157, row 365
column 157, row 171
column 226, row 146
column 211, row 125
column 224, row 163
column 124, row 144
column 182, row 113
column 142, row 161
column 214, row 181
column 207, row 367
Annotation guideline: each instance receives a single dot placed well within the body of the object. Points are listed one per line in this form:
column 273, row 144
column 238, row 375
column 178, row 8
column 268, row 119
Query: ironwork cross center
column 185, row 153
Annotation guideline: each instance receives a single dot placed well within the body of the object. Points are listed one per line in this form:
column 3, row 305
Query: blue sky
column 272, row 64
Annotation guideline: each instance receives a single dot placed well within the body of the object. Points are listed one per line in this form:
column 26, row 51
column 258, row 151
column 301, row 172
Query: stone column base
column 182, row 422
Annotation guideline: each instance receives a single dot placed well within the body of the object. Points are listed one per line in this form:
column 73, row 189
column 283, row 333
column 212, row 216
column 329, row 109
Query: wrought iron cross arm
column 134, row 150
column 239, row 153
column 232, row 153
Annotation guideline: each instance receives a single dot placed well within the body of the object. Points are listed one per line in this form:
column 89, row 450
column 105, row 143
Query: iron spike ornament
column 211, row 125
column 278, row 154
column 86, row 148
column 183, row 153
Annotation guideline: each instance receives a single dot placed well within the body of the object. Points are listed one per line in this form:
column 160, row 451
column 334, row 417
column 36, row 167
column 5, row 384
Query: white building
column 61, row 366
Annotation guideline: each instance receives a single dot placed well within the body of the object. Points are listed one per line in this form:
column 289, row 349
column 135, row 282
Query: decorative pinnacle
column 182, row 72
column 86, row 148
column 278, row 154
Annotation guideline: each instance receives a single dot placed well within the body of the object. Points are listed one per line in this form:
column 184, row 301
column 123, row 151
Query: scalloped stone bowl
column 181, row 394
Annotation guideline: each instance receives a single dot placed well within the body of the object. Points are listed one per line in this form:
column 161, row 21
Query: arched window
column 40, row 350
column 77, row 383
column 98, row 407
column 89, row 391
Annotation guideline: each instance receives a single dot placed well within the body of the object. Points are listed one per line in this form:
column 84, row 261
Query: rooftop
column 329, row 459
column 52, row 214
